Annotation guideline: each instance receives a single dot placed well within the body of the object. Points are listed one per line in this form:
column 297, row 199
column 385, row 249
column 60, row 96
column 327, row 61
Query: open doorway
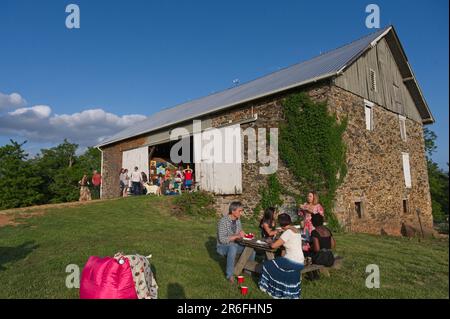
column 173, row 177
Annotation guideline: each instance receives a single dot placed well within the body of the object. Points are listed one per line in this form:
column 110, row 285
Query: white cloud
column 13, row 100
column 94, row 116
column 37, row 124
column 37, row 111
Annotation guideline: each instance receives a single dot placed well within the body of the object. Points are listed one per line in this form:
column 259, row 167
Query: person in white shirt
column 281, row 276
column 136, row 179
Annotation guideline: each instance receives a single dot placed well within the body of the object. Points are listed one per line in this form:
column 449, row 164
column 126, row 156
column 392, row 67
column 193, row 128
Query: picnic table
column 252, row 245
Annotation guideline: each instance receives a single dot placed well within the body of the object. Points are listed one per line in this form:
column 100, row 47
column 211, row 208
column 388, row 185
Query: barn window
column 373, row 80
column 368, row 111
column 406, row 170
column 359, row 209
column 405, row 206
column 402, row 121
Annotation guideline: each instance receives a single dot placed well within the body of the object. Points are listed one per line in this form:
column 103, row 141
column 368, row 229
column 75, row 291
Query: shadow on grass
column 175, row 291
column 211, row 246
column 13, row 254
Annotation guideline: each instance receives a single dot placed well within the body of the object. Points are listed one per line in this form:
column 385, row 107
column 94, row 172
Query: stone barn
column 368, row 80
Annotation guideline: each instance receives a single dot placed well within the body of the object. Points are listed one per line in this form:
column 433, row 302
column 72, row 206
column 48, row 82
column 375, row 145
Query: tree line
column 49, row 177
column 438, row 180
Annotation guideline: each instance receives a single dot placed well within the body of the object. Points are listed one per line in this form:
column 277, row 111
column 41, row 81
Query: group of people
column 90, row 188
column 132, row 183
column 167, row 181
column 313, row 242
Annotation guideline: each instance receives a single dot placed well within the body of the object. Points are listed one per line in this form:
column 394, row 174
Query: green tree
column 19, row 181
column 56, row 168
column 438, row 180
column 90, row 160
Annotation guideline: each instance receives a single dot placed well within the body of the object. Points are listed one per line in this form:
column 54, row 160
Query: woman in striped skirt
column 281, row 276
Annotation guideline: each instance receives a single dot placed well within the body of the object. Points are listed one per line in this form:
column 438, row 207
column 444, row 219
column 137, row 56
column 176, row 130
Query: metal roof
column 323, row 66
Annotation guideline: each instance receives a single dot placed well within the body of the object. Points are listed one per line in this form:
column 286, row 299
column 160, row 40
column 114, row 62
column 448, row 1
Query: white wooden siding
column 136, row 157
column 219, row 175
column 406, row 170
column 368, row 111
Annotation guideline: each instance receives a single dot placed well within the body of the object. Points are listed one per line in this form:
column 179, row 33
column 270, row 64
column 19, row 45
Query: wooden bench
column 243, row 263
column 324, row 270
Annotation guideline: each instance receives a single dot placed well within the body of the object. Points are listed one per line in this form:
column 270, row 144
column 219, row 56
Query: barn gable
column 383, row 76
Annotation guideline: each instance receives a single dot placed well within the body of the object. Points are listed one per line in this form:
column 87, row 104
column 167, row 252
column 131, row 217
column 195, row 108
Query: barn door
column 219, row 168
column 136, row 157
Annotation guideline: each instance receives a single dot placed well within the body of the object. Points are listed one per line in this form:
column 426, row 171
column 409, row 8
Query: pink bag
column 106, row 278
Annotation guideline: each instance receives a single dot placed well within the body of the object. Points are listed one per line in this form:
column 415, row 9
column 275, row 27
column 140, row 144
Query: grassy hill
column 35, row 252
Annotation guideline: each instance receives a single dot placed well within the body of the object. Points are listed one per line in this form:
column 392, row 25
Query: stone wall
column 375, row 169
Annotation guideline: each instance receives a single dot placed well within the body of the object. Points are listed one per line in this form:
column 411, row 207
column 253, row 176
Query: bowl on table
column 249, row 236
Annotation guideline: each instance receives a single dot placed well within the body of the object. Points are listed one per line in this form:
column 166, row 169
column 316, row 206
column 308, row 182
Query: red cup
column 240, row 279
column 244, row 290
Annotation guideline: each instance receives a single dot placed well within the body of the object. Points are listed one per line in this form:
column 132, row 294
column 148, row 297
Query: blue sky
column 133, row 58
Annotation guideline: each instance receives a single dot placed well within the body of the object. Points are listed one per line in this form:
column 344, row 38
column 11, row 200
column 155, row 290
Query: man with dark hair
column 229, row 229
column 284, row 220
column 96, row 183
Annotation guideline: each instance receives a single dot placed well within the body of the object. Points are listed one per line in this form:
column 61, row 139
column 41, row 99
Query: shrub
column 195, row 204
column 443, row 228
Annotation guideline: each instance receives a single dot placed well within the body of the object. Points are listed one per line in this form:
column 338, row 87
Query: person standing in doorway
column 188, row 177
column 136, row 179
column 96, row 183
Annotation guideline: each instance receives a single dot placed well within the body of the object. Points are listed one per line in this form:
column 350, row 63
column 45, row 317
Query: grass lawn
column 35, row 253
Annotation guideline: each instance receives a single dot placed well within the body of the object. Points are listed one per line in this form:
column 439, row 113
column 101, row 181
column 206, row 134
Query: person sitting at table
column 280, row 277
column 267, row 224
column 311, row 207
column 229, row 230
column 322, row 242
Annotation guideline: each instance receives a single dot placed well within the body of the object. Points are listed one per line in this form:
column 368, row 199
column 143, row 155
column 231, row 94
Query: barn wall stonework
column 375, row 169
column 374, row 161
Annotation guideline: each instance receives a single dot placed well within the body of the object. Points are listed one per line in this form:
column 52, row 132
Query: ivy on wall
column 312, row 147
column 270, row 195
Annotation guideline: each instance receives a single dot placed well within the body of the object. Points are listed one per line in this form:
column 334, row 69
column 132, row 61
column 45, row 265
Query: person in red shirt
column 96, row 183
column 188, row 177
